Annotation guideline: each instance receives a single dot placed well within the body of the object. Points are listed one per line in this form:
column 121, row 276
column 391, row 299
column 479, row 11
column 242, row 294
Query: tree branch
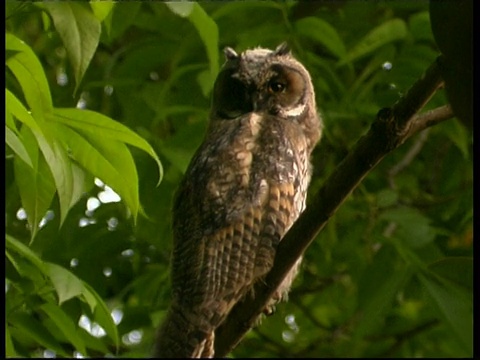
column 392, row 128
column 431, row 117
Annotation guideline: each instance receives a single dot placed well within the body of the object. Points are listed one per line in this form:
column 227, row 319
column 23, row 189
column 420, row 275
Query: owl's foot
column 269, row 310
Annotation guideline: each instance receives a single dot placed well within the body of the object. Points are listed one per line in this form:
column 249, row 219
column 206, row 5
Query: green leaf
column 207, row 29
column 413, row 229
column 66, row 284
column 14, row 107
column 101, row 313
column 204, row 79
column 27, row 270
column 25, row 325
column 182, row 9
column 79, row 30
column 17, row 146
column 9, row 122
column 103, row 127
column 419, row 26
column 109, row 160
column 54, row 154
column 451, row 296
column 101, row 9
column 386, row 198
column 21, row 249
column 332, row 81
column 459, row 270
column 121, row 18
column 385, row 33
column 47, row 23
column 9, row 348
column 90, row 299
column 456, row 307
column 322, row 32
column 93, row 343
column 82, row 183
column 64, row 324
column 29, row 72
column 13, row 8
column 377, row 288
column 35, row 183
column 234, row 8
column 458, row 135
column 60, row 166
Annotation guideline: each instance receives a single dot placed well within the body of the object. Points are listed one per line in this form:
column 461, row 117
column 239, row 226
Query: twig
column 391, row 128
column 420, row 122
column 408, row 158
column 431, row 117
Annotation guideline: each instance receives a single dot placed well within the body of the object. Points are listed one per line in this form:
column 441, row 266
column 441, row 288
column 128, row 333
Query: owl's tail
column 178, row 337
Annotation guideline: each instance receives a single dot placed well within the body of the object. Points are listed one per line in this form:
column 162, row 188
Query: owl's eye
column 276, row 86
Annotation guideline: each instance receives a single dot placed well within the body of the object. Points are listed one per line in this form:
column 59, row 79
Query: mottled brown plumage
column 243, row 190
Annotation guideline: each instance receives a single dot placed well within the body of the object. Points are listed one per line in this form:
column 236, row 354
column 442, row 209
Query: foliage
column 390, row 275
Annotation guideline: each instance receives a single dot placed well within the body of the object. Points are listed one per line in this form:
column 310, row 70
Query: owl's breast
column 249, row 154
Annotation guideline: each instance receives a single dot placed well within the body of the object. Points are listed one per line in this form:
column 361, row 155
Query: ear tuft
column 230, row 54
column 282, row 49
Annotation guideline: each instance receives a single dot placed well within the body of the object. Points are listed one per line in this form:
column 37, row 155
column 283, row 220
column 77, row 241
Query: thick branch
column 392, row 127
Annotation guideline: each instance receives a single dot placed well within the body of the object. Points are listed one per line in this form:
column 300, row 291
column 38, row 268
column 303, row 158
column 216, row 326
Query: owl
column 244, row 188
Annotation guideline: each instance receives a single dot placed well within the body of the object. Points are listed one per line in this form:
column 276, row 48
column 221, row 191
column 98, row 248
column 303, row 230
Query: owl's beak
column 258, row 102
column 261, row 104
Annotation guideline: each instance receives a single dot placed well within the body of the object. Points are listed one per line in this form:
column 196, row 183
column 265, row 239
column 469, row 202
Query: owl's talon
column 269, row 310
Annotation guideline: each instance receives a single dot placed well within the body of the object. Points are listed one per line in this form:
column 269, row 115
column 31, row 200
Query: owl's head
column 263, row 81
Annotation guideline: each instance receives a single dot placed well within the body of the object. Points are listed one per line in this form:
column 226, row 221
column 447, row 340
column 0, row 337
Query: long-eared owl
column 244, row 188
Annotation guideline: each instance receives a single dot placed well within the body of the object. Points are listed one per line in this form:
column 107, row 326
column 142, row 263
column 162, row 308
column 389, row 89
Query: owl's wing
column 220, row 253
